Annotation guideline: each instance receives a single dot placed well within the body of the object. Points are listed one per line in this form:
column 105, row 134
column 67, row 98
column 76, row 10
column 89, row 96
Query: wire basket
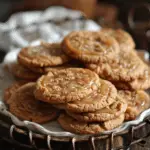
column 114, row 141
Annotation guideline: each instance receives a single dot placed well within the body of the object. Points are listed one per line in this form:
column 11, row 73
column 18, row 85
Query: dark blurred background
column 92, row 8
column 132, row 15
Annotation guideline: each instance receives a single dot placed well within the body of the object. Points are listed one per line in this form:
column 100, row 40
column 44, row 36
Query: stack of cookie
column 90, row 104
column 84, row 97
column 22, row 73
column 111, row 55
column 94, row 98
column 21, row 102
column 33, row 61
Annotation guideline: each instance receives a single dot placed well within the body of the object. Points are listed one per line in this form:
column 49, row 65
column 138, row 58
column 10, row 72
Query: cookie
column 127, row 67
column 72, row 125
column 141, row 83
column 103, row 97
column 23, row 73
column 65, row 85
column 126, row 42
column 10, row 90
column 43, row 55
column 111, row 124
column 90, row 47
column 108, row 113
column 44, row 70
column 137, row 101
column 24, row 105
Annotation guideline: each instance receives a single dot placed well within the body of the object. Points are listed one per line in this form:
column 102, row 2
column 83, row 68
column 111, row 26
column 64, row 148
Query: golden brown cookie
column 103, row 97
column 72, row 125
column 141, row 83
column 137, row 101
column 108, row 113
column 111, row 124
column 23, row 73
column 44, row 70
column 124, row 39
column 127, row 67
column 65, row 85
column 10, row 90
column 43, row 55
column 24, row 105
column 90, row 47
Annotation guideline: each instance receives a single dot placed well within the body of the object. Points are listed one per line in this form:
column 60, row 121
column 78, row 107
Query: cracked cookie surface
column 141, row 83
column 65, row 85
column 24, row 105
column 108, row 113
column 137, row 101
column 11, row 89
column 127, row 67
column 72, row 125
column 104, row 96
column 126, row 42
column 90, row 46
column 42, row 55
column 21, row 72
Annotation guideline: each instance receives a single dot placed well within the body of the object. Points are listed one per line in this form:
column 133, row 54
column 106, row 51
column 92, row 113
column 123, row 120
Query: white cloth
column 49, row 25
